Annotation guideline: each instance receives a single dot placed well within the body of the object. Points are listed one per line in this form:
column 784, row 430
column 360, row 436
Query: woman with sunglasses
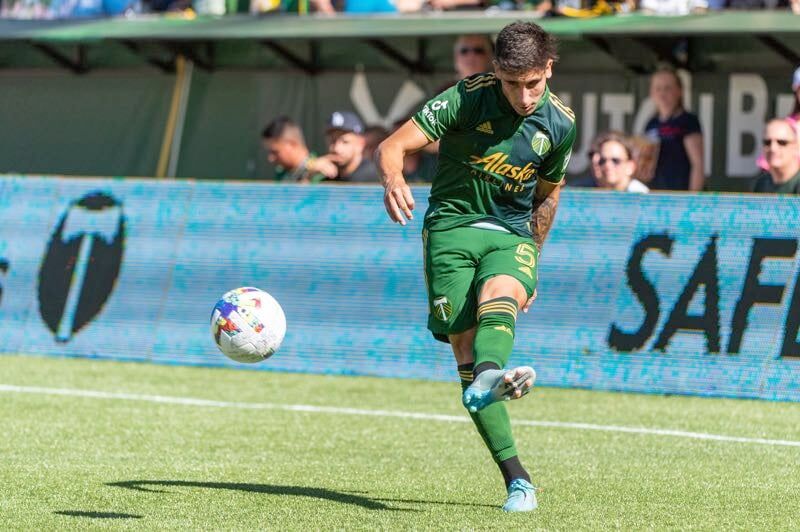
column 613, row 164
column 782, row 155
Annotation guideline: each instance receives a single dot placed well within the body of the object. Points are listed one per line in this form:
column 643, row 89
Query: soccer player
column 505, row 141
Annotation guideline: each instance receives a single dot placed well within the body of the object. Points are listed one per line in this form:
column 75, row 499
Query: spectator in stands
column 612, row 158
column 592, row 8
column 793, row 118
column 302, row 7
column 782, row 153
column 614, row 165
column 346, row 142
column 286, row 148
column 588, row 180
column 680, row 151
column 750, row 5
column 452, row 5
column 673, row 7
column 472, row 54
column 536, row 7
column 382, row 6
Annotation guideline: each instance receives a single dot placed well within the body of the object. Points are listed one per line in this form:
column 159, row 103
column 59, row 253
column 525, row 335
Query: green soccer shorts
column 457, row 263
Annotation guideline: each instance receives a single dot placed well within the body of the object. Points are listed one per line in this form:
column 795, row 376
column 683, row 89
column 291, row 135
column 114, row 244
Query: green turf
column 72, row 462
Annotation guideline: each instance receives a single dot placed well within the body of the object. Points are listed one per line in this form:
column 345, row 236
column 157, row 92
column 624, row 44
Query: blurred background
column 186, row 89
column 656, row 291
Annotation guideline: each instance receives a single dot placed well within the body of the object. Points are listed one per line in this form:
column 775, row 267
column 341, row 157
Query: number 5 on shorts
column 526, row 255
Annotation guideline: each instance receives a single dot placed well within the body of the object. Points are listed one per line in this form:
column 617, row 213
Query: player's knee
column 504, row 286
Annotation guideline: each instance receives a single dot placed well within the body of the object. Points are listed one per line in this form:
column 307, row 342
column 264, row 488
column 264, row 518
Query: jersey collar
column 543, row 99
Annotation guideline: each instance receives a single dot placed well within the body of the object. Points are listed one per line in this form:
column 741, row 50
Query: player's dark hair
column 281, row 126
column 524, row 46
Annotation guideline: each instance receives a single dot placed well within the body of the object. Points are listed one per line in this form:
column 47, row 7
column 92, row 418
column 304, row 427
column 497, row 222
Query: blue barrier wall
column 659, row 293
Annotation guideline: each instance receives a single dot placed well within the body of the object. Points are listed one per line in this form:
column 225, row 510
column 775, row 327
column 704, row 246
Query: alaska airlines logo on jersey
column 496, row 163
column 540, row 144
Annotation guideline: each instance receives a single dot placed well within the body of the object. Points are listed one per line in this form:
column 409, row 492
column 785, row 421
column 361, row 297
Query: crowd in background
column 666, row 155
column 569, row 8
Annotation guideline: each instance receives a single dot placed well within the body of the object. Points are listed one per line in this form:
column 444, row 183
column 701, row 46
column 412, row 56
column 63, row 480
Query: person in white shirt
column 613, row 164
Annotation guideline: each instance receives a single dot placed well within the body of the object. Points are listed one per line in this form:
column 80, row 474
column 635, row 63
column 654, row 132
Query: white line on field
column 189, row 401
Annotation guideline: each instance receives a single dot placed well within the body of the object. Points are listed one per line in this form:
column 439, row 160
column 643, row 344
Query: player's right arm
column 439, row 115
column 397, row 197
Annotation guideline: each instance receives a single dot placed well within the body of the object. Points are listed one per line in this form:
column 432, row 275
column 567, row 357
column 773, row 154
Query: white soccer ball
column 248, row 325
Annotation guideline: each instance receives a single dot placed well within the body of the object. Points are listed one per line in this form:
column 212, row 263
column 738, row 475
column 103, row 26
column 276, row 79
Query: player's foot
column 498, row 385
column 521, row 496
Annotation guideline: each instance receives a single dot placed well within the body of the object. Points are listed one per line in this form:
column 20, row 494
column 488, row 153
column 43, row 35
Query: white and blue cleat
column 521, row 496
column 495, row 385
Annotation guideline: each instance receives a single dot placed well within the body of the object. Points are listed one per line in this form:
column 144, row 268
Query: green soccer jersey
column 490, row 158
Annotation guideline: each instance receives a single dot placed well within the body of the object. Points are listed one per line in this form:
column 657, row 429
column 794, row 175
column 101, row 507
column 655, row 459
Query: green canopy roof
column 418, row 43
column 244, row 27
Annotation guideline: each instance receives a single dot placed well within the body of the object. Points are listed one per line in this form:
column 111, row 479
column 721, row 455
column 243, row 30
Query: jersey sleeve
column 440, row 114
column 555, row 166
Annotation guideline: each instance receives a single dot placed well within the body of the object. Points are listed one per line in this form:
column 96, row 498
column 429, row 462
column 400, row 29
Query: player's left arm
column 547, row 194
column 548, row 188
column 545, row 204
column 694, row 150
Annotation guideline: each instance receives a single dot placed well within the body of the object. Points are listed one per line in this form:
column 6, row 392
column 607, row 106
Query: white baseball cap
column 796, row 79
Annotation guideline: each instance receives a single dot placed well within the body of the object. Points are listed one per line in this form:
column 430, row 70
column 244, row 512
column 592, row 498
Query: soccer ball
column 248, row 325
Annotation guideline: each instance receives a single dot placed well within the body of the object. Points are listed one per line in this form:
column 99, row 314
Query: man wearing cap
column 345, row 136
column 286, row 148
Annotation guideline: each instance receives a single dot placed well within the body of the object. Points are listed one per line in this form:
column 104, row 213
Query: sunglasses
column 464, row 50
column 616, row 161
column 780, row 142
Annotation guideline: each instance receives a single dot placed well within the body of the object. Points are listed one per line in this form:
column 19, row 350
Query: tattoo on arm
column 544, row 212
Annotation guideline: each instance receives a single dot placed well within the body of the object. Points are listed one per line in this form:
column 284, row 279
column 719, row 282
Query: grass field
column 112, row 461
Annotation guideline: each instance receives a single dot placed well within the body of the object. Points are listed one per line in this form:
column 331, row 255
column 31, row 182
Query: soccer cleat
column 498, row 385
column 521, row 496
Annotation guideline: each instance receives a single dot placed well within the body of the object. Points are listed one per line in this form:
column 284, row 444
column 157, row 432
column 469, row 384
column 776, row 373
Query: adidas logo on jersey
column 486, row 127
